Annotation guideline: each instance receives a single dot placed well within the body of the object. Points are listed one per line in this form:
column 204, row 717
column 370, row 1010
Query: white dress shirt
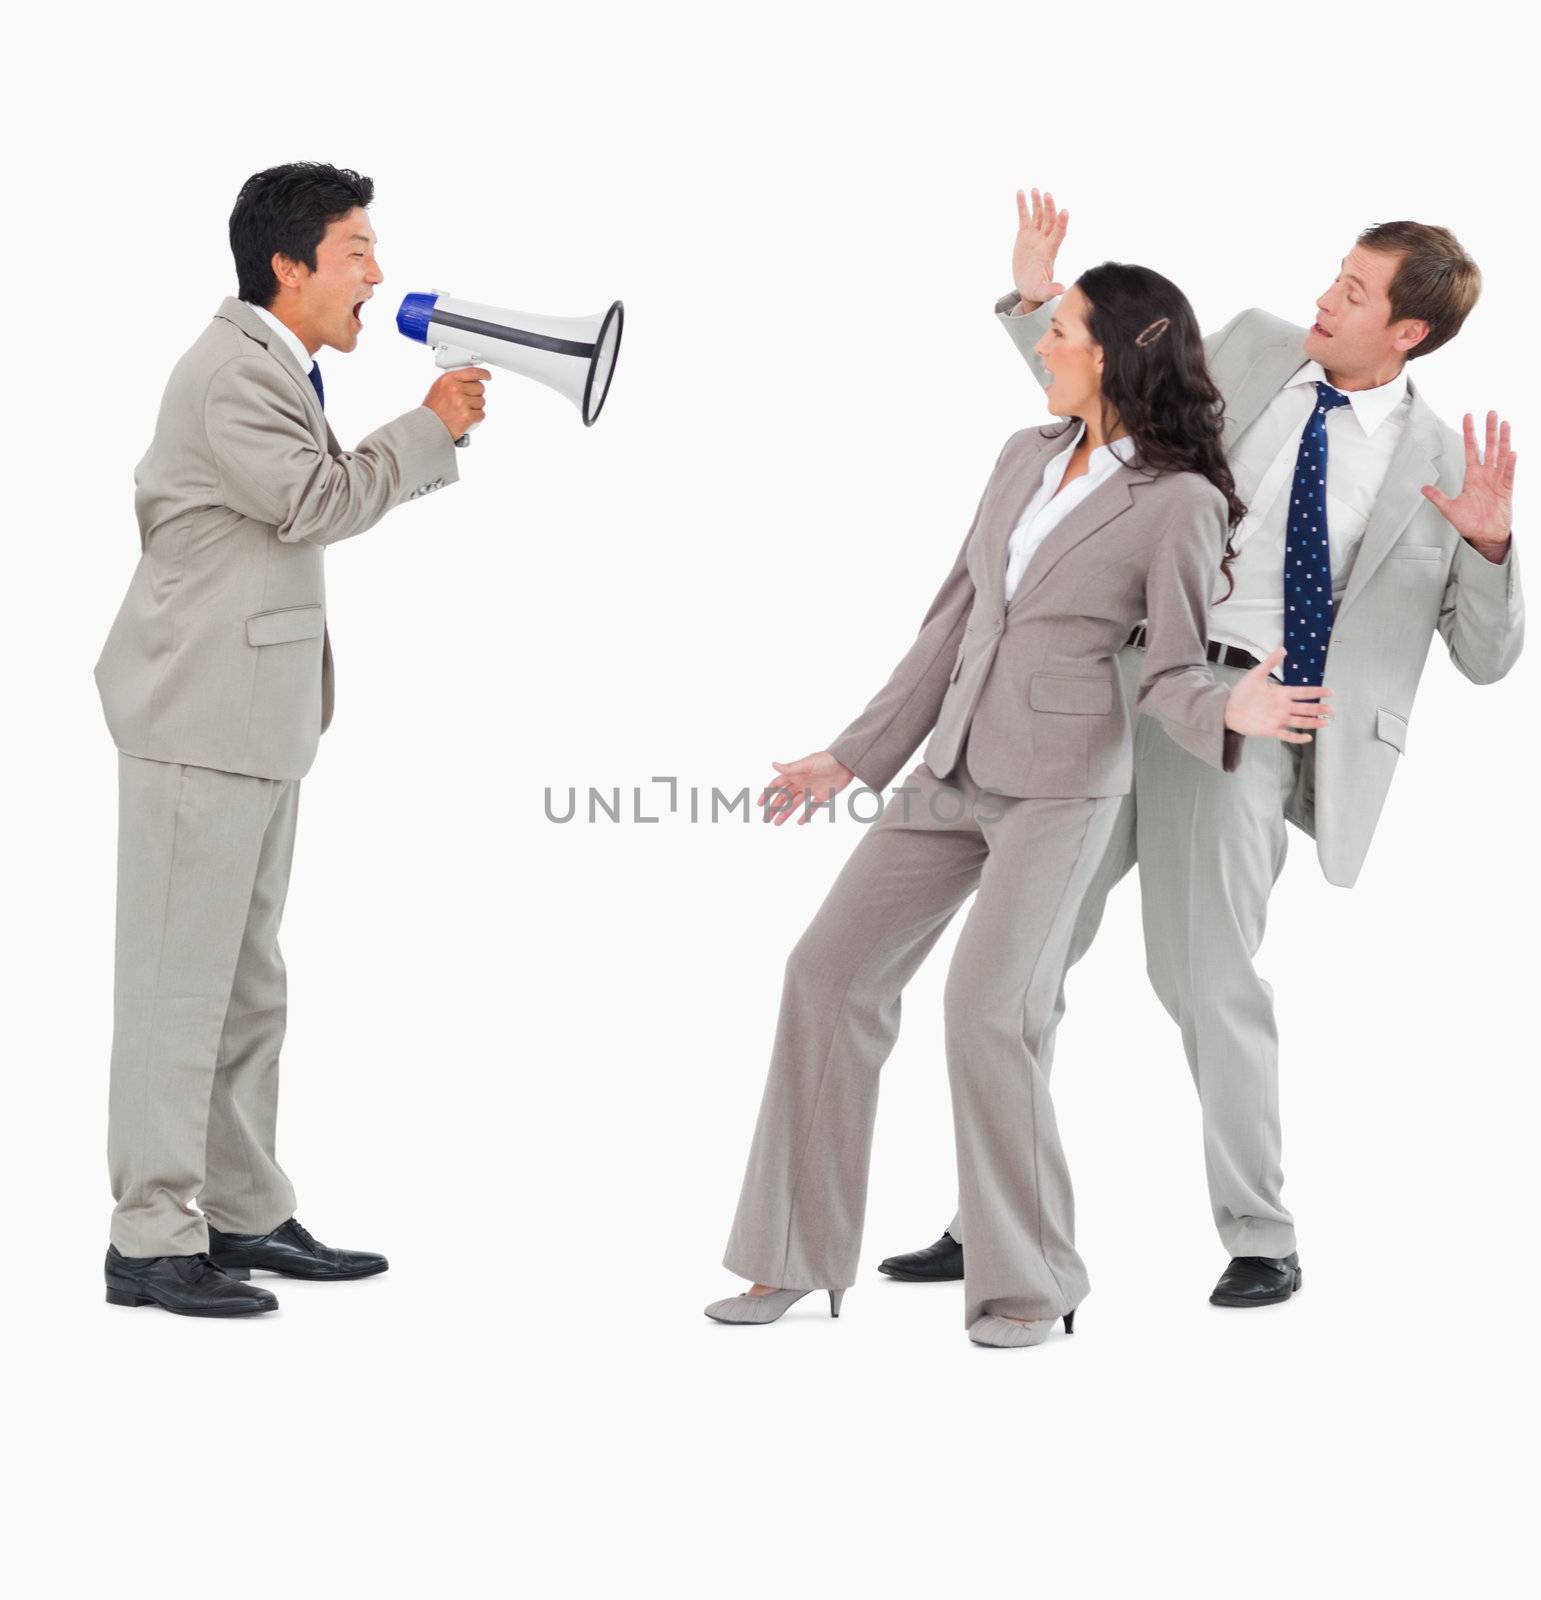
column 1361, row 437
column 289, row 336
column 1047, row 509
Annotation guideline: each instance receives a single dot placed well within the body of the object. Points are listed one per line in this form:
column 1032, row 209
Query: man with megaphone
column 216, row 681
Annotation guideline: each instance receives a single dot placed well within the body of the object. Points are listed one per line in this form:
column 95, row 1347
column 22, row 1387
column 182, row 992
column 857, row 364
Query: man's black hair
column 287, row 209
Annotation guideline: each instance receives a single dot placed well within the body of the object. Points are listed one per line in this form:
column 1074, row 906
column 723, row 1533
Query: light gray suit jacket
column 219, row 655
column 1413, row 576
column 1034, row 685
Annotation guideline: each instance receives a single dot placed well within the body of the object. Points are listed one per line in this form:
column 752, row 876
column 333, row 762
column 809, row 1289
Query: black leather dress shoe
column 1257, row 1281
column 941, row 1262
column 289, row 1250
column 191, row 1286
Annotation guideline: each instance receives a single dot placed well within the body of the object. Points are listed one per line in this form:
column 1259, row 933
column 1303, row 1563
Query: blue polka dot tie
column 315, row 383
column 1307, row 554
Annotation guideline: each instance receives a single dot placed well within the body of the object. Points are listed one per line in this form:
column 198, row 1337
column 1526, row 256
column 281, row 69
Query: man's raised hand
column 1482, row 513
column 1040, row 232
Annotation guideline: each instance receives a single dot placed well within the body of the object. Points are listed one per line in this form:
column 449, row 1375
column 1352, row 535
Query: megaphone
column 573, row 355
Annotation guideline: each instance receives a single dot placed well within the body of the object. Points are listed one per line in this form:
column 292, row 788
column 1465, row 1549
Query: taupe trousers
column 198, row 1004
column 1210, row 847
column 799, row 1220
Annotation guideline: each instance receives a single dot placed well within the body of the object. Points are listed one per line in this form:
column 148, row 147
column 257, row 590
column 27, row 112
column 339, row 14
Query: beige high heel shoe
column 1006, row 1333
column 756, row 1308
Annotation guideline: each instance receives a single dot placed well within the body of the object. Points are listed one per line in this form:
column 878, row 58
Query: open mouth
column 1316, row 327
column 358, row 318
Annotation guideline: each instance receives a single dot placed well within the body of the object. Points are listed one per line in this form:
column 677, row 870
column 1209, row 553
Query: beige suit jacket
column 1413, row 577
column 1033, row 686
column 219, row 655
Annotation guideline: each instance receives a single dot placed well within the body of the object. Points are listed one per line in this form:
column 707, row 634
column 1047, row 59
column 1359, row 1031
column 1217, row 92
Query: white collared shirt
column 1047, row 509
column 1361, row 438
column 289, row 336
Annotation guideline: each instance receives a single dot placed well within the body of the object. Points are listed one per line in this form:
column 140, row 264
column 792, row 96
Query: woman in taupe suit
column 1122, row 516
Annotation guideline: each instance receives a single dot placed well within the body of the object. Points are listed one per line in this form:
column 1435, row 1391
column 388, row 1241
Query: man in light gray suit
column 216, row 682
column 1372, row 526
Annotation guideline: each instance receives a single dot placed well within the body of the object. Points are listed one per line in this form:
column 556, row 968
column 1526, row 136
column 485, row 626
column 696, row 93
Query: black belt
column 1226, row 654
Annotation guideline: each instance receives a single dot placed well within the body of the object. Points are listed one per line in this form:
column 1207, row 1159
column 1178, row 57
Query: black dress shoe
column 941, row 1262
column 1257, row 1281
column 289, row 1250
column 191, row 1286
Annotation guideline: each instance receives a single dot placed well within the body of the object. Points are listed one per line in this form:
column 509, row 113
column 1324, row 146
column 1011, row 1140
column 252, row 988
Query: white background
column 525, row 1060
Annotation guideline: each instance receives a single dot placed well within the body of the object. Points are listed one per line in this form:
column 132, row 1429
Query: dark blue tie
column 1307, row 553
column 315, row 383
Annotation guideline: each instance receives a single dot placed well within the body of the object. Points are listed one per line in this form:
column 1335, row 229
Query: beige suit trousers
column 799, row 1221
column 198, row 1005
column 1210, row 847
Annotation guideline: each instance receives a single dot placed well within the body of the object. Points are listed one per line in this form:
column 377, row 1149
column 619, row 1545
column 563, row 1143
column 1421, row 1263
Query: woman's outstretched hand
column 801, row 785
column 1258, row 705
column 1040, row 232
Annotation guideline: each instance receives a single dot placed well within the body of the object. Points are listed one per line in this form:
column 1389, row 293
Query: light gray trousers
column 198, row 1005
column 800, row 1214
column 1210, row 846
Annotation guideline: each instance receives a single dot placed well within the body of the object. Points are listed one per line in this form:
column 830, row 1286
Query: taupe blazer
column 220, row 656
column 1413, row 576
column 1034, row 685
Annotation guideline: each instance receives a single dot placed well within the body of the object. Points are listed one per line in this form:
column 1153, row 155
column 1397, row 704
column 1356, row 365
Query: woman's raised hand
column 800, row 785
column 1040, row 232
column 1258, row 705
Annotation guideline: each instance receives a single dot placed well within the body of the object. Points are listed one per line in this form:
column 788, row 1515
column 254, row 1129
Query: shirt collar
column 1122, row 448
column 287, row 334
column 1370, row 406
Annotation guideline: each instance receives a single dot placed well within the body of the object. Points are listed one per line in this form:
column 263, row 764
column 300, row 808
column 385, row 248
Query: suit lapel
column 1109, row 500
column 247, row 320
column 1018, row 485
column 1412, row 464
column 1277, row 359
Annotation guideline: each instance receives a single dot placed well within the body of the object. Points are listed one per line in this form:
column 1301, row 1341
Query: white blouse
column 1047, row 509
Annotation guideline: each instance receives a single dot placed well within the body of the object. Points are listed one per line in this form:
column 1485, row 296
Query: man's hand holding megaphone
column 459, row 400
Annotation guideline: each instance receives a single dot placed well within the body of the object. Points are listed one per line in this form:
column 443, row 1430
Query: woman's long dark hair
column 1155, row 380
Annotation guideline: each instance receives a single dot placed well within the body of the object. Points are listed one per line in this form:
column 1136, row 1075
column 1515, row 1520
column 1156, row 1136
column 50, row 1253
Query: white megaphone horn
column 573, row 355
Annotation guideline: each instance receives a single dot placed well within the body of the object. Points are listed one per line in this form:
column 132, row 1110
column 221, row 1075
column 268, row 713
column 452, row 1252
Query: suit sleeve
column 1482, row 613
column 272, row 470
column 1178, row 687
column 1215, row 342
column 1026, row 330
column 879, row 742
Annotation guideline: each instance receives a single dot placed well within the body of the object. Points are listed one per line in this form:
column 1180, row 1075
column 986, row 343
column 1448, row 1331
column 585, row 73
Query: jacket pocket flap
column 282, row 627
column 1089, row 696
column 1390, row 727
column 1417, row 552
